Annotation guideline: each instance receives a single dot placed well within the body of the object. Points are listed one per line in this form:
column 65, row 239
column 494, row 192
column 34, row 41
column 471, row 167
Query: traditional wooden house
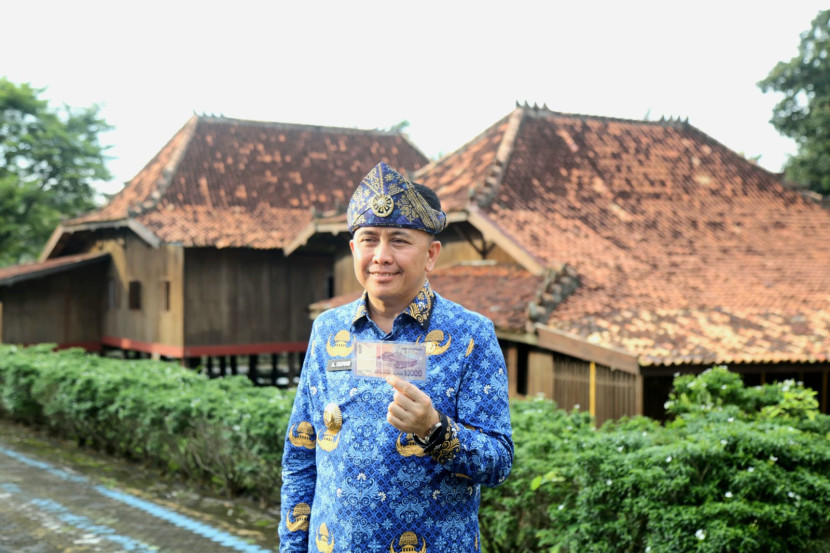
column 612, row 254
column 188, row 261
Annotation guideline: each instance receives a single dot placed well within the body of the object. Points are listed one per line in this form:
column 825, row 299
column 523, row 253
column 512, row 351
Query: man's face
column 391, row 263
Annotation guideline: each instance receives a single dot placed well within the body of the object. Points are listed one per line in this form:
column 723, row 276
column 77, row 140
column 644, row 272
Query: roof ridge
column 543, row 110
column 281, row 124
column 484, row 192
column 162, row 184
column 433, row 163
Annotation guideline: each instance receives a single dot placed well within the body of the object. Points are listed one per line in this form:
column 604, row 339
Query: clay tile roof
column 27, row 271
column 222, row 181
column 684, row 250
column 502, row 293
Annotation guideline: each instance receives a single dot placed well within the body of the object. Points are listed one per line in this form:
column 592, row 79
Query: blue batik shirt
column 354, row 483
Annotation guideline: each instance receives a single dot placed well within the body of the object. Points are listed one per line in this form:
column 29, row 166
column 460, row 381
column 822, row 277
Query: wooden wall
column 135, row 260
column 243, row 296
column 63, row 308
column 568, row 381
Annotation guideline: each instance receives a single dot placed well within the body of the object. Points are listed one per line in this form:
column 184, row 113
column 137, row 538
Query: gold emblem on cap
column 383, row 205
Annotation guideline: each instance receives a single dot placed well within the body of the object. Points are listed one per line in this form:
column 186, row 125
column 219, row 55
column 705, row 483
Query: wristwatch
column 431, row 433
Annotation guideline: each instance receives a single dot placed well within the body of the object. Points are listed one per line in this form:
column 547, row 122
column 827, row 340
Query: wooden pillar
column 512, row 360
column 234, row 370
column 252, row 368
column 209, row 366
column 223, row 366
column 274, row 375
column 592, row 392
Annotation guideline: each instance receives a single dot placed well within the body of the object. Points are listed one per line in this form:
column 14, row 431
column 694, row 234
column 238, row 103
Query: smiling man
column 380, row 463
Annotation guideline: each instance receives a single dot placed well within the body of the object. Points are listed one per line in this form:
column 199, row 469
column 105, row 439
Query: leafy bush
column 738, row 470
column 225, row 433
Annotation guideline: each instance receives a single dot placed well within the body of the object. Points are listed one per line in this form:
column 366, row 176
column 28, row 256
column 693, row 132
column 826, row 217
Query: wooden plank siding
column 567, row 380
column 159, row 318
column 63, row 308
column 244, row 296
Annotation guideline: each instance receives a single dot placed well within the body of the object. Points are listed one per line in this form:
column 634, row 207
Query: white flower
column 728, row 495
column 667, row 404
column 700, row 534
column 577, row 406
column 608, row 482
column 620, row 449
column 751, row 469
column 648, row 549
column 723, row 442
column 668, row 459
column 773, row 458
column 730, row 419
column 561, row 506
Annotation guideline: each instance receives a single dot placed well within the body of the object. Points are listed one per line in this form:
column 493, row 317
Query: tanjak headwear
column 385, row 198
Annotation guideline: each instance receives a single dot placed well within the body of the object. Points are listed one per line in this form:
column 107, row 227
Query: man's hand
column 411, row 409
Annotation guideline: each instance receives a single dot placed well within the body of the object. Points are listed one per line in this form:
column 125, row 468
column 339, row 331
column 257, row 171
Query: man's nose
column 382, row 253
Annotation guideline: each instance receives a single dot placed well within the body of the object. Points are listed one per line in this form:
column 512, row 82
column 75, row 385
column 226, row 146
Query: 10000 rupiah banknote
column 406, row 360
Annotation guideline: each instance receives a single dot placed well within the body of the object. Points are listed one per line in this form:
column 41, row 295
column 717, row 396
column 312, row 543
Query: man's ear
column 351, row 245
column 432, row 254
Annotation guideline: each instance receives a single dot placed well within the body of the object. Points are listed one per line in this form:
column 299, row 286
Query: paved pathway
column 45, row 508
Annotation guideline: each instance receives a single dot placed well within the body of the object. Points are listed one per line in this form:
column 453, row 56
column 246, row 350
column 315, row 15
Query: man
column 389, row 465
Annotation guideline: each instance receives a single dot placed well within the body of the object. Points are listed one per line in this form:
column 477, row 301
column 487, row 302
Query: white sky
column 451, row 69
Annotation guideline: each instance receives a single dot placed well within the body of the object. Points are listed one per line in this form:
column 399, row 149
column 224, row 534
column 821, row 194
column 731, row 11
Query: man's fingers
column 406, row 388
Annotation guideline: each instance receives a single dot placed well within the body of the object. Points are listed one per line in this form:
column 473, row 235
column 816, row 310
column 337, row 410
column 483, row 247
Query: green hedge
column 223, row 432
column 738, row 469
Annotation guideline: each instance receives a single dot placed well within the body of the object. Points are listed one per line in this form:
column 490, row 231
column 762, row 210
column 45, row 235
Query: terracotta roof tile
column 27, row 271
column 669, row 232
column 500, row 292
column 226, row 179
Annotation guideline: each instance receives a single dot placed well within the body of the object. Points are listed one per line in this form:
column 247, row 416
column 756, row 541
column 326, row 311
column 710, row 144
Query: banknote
column 406, row 360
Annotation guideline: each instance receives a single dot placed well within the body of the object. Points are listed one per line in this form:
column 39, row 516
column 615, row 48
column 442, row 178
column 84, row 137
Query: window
column 135, row 294
column 165, row 295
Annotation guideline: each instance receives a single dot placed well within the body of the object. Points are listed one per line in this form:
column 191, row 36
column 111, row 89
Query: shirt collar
column 419, row 309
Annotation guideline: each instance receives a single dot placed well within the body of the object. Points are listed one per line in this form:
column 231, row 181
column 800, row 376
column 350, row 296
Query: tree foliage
column 49, row 160
column 804, row 112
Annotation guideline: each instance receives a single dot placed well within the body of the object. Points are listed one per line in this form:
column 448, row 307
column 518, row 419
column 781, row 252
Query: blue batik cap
column 385, row 198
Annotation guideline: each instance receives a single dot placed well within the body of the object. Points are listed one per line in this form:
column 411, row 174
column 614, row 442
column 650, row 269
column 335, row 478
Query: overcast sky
column 451, row 69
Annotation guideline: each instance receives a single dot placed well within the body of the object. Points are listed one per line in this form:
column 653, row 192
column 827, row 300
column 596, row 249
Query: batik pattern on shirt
column 351, row 481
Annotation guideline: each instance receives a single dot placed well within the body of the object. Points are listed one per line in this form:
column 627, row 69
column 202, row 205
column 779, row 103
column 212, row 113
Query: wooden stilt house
column 613, row 254
column 189, row 258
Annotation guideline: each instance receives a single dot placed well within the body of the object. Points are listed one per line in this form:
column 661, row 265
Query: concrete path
column 46, row 508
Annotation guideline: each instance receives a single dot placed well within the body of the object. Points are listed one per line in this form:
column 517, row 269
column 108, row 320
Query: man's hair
column 429, row 195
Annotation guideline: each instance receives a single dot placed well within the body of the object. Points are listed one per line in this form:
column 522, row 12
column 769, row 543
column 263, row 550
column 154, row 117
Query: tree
column 804, row 112
column 49, row 160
